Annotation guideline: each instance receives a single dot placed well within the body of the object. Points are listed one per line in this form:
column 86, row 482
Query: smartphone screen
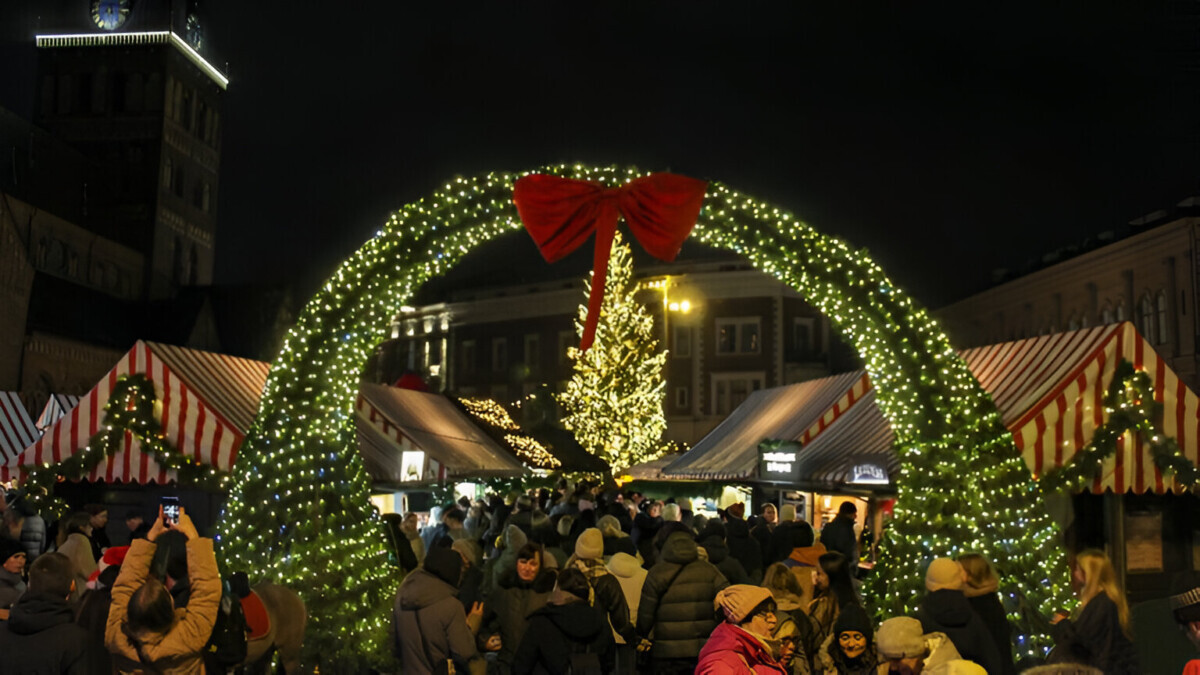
column 170, row 508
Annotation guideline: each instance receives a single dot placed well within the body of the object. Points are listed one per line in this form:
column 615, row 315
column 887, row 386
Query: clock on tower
column 110, row 14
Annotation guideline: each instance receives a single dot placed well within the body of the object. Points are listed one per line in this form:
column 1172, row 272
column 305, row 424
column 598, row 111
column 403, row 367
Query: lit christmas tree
column 614, row 402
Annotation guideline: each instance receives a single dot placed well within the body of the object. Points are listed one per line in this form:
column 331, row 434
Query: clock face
column 110, row 14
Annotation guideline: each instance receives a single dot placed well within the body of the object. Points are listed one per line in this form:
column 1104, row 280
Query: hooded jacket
column 787, row 536
column 180, row 649
column 40, row 636
column 430, row 623
column 677, row 601
column 718, row 555
column 558, row 630
column 503, row 566
column 947, row 611
column 744, row 548
column 802, row 562
column 732, row 650
column 632, row 576
column 508, row 609
column 11, row 587
column 645, row 528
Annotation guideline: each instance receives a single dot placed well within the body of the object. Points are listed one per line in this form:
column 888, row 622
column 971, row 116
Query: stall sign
column 868, row 471
column 778, row 461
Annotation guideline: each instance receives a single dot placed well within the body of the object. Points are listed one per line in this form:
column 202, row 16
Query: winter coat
column 33, row 536
column 431, row 625
column 621, row 544
column 831, row 661
column 78, row 548
column 507, row 613
column 786, row 537
column 678, row 613
column 838, row 535
column 743, row 548
column 632, row 576
column 180, row 649
column 823, row 612
column 505, row 564
column 558, row 630
column 790, row 608
column 522, row 520
column 645, row 529
column 941, row 652
column 761, row 533
column 414, row 542
column 1095, row 638
column 40, row 636
column 11, row 588
column 733, row 650
column 718, row 555
column 609, row 597
column 989, row 609
column 947, row 611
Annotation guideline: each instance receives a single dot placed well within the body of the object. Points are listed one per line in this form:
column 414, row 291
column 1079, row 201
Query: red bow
column 561, row 213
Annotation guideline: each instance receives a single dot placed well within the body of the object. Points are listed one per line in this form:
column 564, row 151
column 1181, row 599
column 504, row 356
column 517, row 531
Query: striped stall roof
column 1049, row 391
column 17, row 430
column 55, row 408
column 207, row 404
column 415, row 420
column 801, row 410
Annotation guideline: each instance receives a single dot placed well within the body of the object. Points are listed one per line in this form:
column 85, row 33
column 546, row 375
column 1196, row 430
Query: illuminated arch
column 948, row 432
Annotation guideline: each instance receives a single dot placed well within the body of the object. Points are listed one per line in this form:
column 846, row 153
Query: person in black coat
column 764, row 527
column 945, row 610
column 742, row 546
column 645, row 528
column 1097, row 632
column 982, row 589
column 718, row 555
column 40, row 635
column 568, row 634
column 838, row 535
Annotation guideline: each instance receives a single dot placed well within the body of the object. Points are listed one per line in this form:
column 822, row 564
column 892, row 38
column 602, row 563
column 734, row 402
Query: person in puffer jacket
column 739, row 643
column 676, row 609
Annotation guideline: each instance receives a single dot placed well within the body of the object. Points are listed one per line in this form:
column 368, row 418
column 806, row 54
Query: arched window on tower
column 1121, row 315
column 1106, row 313
column 193, row 266
column 1160, row 317
column 1073, row 322
column 1145, row 319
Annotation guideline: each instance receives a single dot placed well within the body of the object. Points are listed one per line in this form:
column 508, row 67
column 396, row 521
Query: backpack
column 226, row 646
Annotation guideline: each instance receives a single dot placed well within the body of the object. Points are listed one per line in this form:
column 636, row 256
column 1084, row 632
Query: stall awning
column 207, row 403
column 1049, row 391
column 797, row 411
column 57, row 406
column 17, row 430
column 414, row 421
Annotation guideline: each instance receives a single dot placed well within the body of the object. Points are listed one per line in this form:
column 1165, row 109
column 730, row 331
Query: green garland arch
column 299, row 514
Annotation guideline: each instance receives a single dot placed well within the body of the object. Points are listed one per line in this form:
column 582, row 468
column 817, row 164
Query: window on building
column 682, row 397
column 566, row 340
column 198, row 195
column 168, row 173
column 681, row 341
column 731, row 389
column 532, row 343
column 738, row 336
column 467, row 357
column 499, row 354
column 1120, row 313
column 1106, row 314
column 1073, row 322
column 188, row 117
column 205, row 197
column 1160, row 315
column 135, row 93
column 193, row 266
column 1145, row 319
column 177, row 181
column 202, row 121
column 803, row 334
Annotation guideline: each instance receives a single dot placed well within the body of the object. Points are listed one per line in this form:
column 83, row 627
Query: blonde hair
column 779, row 579
column 1098, row 577
column 979, row 570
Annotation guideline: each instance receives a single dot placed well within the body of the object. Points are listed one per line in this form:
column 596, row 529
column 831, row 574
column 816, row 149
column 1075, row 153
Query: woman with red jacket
column 739, row 643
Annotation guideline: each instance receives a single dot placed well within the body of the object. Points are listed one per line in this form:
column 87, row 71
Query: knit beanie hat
column 9, row 548
column 787, row 513
column 900, row 638
column 589, row 545
column 445, row 564
column 944, row 573
column 853, row 618
column 739, row 600
column 1185, row 596
column 670, row 512
column 564, row 525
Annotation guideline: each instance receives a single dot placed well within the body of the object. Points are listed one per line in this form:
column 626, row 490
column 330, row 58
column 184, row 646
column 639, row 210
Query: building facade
column 1149, row 277
column 730, row 330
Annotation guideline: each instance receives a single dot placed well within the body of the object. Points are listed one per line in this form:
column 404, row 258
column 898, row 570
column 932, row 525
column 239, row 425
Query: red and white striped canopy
column 55, row 408
column 207, row 403
column 17, row 430
column 1049, row 391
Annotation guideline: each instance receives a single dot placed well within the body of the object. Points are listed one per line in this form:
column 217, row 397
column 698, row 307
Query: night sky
column 947, row 140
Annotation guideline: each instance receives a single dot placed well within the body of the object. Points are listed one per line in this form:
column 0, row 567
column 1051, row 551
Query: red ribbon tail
column 606, row 230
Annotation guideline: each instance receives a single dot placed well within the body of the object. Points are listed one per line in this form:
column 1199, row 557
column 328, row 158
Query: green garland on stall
column 130, row 408
column 1131, row 408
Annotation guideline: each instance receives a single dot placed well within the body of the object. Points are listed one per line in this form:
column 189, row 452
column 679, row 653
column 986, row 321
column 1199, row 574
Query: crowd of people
column 586, row 580
column 70, row 602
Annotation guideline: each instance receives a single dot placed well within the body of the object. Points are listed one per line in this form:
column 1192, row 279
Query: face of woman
column 528, row 569
column 100, row 520
column 15, row 563
column 1077, row 576
column 853, row 643
column 820, row 579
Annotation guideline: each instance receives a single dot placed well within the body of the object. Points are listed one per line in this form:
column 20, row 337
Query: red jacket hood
column 730, row 649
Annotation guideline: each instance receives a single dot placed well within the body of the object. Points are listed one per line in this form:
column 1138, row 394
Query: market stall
column 17, row 430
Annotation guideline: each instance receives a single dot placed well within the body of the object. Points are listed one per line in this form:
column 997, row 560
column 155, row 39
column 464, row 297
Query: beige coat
column 78, row 548
column 180, row 649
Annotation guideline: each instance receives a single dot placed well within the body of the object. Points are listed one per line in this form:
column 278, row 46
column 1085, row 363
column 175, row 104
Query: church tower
column 129, row 84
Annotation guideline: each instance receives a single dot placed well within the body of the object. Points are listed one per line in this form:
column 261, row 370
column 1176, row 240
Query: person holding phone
column 144, row 627
column 1098, row 632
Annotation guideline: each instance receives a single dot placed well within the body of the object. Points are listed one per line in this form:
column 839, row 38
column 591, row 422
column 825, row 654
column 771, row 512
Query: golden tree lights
column 299, row 512
column 614, row 401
